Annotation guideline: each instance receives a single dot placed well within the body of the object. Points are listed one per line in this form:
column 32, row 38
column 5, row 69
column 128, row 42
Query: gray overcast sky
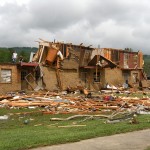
column 108, row 23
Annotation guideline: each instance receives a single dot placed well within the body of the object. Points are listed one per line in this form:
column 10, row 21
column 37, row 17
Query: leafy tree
column 6, row 53
column 147, row 64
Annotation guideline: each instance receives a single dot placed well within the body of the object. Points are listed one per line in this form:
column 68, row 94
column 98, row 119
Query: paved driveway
column 137, row 140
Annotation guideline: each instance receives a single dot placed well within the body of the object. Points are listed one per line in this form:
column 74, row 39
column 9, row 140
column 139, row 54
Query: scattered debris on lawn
column 68, row 126
column 5, row 117
column 111, row 107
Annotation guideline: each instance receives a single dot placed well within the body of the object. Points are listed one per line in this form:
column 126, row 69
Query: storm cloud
column 109, row 23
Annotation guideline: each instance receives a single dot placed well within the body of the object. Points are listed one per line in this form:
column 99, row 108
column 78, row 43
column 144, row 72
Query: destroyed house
column 60, row 64
column 64, row 65
column 129, row 66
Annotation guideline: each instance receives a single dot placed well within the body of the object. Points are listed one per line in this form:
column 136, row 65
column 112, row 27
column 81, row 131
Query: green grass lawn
column 139, row 95
column 148, row 148
column 40, row 131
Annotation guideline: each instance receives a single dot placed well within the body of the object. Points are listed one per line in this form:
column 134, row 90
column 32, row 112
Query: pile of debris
column 63, row 103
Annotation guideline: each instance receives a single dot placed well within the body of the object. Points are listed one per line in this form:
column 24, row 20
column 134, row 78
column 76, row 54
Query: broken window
column 64, row 50
column 96, row 77
column 23, row 74
column 135, row 59
column 6, row 75
column 135, row 78
column 126, row 75
column 37, row 73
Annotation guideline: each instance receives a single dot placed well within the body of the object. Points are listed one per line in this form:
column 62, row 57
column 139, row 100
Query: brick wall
column 15, row 83
column 68, row 78
column 113, row 76
column 49, row 78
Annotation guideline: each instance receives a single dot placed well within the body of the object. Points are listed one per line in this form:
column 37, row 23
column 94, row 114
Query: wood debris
column 57, row 103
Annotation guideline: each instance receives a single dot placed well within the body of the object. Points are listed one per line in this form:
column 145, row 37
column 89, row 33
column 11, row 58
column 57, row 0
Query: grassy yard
column 33, row 130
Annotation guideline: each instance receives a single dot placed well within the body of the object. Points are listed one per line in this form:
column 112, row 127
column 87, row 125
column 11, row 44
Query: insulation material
column 67, row 52
column 37, row 55
column 60, row 55
column 126, row 60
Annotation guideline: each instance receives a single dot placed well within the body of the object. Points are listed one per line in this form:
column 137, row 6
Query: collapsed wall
column 66, row 78
column 67, row 65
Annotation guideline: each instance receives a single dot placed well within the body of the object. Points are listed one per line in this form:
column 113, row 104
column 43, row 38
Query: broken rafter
column 79, row 116
column 76, row 125
column 43, row 40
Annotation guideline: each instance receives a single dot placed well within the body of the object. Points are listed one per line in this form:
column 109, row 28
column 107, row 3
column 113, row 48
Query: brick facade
column 15, row 83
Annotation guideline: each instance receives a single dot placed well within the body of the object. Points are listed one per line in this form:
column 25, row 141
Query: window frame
column 98, row 77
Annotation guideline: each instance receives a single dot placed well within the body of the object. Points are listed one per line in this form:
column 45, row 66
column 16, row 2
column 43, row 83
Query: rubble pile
column 63, row 103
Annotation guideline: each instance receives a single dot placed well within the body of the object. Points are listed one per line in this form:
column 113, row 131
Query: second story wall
column 123, row 58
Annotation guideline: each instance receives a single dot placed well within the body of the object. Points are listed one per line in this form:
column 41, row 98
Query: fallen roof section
column 97, row 58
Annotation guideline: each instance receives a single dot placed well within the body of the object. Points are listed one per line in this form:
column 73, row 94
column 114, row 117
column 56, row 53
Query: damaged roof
column 97, row 58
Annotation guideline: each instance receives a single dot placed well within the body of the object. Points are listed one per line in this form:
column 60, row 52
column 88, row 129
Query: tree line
column 6, row 53
column 147, row 64
column 6, row 56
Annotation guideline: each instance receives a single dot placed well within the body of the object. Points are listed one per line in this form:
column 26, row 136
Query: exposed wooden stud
column 41, row 54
